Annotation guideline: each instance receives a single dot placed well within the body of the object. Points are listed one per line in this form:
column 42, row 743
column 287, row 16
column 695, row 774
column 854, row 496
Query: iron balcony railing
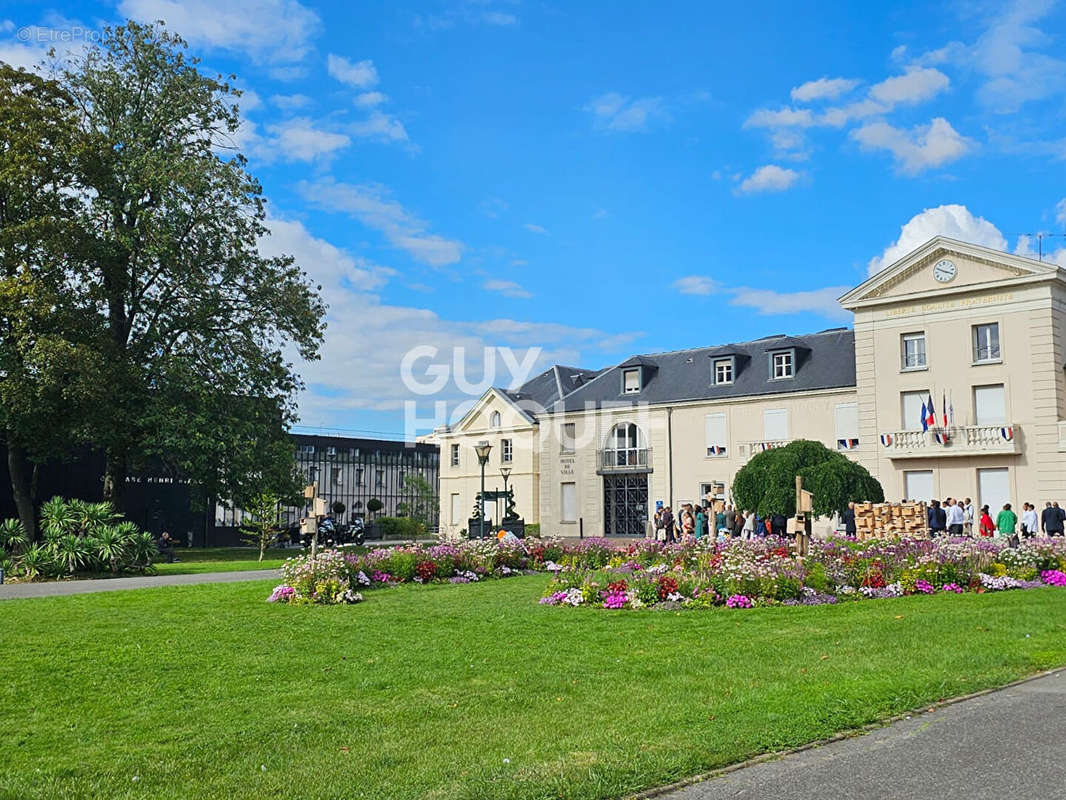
column 629, row 459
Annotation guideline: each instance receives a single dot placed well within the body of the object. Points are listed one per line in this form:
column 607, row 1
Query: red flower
column 618, row 586
column 426, row 570
column 667, row 586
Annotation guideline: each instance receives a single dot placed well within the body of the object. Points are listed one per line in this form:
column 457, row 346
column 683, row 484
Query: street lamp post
column 506, row 473
column 482, row 449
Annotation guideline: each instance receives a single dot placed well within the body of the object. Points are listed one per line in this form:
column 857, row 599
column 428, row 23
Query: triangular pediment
column 961, row 266
column 478, row 418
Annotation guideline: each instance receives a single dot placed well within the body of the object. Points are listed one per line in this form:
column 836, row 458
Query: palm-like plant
column 110, row 544
column 34, row 562
column 57, row 518
column 90, row 517
column 12, row 535
column 141, row 550
column 71, row 553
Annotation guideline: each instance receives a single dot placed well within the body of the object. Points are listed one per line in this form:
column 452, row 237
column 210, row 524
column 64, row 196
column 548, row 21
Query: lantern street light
column 482, row 449
column 506, row 473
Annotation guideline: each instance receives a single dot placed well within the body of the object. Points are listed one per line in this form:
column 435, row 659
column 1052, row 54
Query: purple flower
column 1053, row 577
column 739, row 601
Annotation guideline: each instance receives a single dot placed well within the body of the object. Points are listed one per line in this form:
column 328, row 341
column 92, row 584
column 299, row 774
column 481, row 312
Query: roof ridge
column 841, row 329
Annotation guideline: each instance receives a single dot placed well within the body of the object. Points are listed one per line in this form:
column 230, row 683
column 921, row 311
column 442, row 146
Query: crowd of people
column 952, row 517
column 695, row 520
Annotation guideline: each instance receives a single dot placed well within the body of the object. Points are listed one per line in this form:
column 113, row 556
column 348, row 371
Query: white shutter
column 990, row 405
column 912, row 409
column 457, row 512
column 993, row 488
column 918, row 485
column 717, row 434
column 568, row 498
column 775, row 424
column 847, row 421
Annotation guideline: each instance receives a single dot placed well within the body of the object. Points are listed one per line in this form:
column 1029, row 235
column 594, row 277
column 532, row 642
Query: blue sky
column 599, row 179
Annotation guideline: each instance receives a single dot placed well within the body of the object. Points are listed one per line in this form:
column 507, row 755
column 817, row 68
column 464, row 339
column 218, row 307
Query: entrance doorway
column 625, row 504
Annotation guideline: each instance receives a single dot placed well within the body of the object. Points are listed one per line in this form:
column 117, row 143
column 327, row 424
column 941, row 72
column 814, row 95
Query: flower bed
column 745, row 574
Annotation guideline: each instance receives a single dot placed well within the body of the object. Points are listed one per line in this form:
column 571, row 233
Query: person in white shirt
column 955, row 518
column 967, row 517
column 1030, row 524
column 749, row 525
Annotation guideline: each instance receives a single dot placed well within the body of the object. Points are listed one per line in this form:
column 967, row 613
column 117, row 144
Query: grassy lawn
column 223, row 559
column 468, row 691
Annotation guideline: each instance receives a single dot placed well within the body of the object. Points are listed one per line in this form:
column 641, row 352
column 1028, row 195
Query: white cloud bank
column 769, row 178
column 918, row 149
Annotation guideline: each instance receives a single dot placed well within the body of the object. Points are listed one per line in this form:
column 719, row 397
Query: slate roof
column 556, row 382
column 824, row 360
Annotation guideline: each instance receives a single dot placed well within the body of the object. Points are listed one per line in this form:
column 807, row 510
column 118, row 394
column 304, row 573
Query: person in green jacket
column 1006, row 520
column 701, row 521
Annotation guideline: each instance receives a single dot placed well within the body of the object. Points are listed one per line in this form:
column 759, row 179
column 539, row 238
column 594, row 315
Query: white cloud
column 815, row 301
column 769, row 178
column 360, row 74
column 1030, row 247
column 823, row 89
column 507, row 288
column 915, row 150
column 954, row 221
column 696, row 284
column 914, row 86
column 529, row 226
column 290, row 102
column 267, row 30
column 381, row 127
column 370, row 99
column 782, row 118
column 373, row 207
column 1060, row 212
column 298, row 139
column 616, row 112
column 331, row 265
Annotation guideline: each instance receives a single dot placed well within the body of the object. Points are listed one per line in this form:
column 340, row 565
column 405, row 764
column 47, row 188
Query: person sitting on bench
column 165, row 544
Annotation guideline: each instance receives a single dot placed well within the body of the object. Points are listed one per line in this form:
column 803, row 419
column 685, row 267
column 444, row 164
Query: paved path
column 52, row 588
column 1010, row 743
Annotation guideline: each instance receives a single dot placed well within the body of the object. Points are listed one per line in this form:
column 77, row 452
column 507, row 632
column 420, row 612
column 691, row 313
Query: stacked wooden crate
column 885, row 520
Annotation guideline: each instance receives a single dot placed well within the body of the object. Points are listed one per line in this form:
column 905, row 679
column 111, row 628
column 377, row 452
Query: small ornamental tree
column 260, row 520
column 767, row 483
column 373, row 505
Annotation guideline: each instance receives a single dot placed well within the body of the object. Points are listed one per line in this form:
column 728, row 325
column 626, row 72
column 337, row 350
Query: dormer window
column 723, row 371
column 631, row 381
column 782, row 364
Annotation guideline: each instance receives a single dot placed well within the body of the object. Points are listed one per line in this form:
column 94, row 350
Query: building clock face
column 944, row 270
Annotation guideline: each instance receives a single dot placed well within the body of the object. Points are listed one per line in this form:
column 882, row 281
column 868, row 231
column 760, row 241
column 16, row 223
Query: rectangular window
column 912, row 346
column 783, row 365
column 986, row 342
column 379, row 479
column 457, row 510
column 312, row 474
column 455, row 455
column 568, row 502
column 307, row 449
column 990, row 405
column 918, row 485
column 911, row 409
column 331, row 451
column 569, row 436
column 846, row 416
column 723, row 371
column 631, row 381
column 359, row 477
column 506, row 451
column 717, row 435
column 335, row 476
column 775, row 424
column 993, row 488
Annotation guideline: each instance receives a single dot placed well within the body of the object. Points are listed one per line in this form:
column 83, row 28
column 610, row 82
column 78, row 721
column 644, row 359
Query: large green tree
column 50, row 359
column 193, row 331
column 767, row 483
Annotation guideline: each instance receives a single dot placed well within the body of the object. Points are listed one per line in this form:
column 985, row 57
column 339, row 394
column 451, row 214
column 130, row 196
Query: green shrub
column 533, row 529
column 400, row 528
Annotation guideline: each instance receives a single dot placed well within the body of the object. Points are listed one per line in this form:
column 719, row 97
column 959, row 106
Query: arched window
column 494, row 419
column 626, row 446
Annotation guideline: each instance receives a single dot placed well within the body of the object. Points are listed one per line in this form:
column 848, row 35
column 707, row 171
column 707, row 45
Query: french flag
column 925, row 417
column 930, row 421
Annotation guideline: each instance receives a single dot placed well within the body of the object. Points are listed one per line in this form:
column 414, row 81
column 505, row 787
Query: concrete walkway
column 10, row 591
column 1010, row 743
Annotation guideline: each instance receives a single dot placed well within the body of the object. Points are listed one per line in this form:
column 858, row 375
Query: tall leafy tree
column 767, row 483
column 50, row 358
column 197, row 328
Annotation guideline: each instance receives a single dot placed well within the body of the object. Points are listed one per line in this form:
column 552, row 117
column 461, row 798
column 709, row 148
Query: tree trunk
column 115, row 480
column 22, row 489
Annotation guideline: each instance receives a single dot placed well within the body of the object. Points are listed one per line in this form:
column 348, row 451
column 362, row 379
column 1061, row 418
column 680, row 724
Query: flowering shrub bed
column 741, row 574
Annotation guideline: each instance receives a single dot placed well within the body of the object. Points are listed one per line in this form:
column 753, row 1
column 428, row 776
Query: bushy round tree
column 767, row 483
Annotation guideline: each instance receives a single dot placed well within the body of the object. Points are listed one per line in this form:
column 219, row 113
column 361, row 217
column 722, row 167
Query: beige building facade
column 978, row 335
